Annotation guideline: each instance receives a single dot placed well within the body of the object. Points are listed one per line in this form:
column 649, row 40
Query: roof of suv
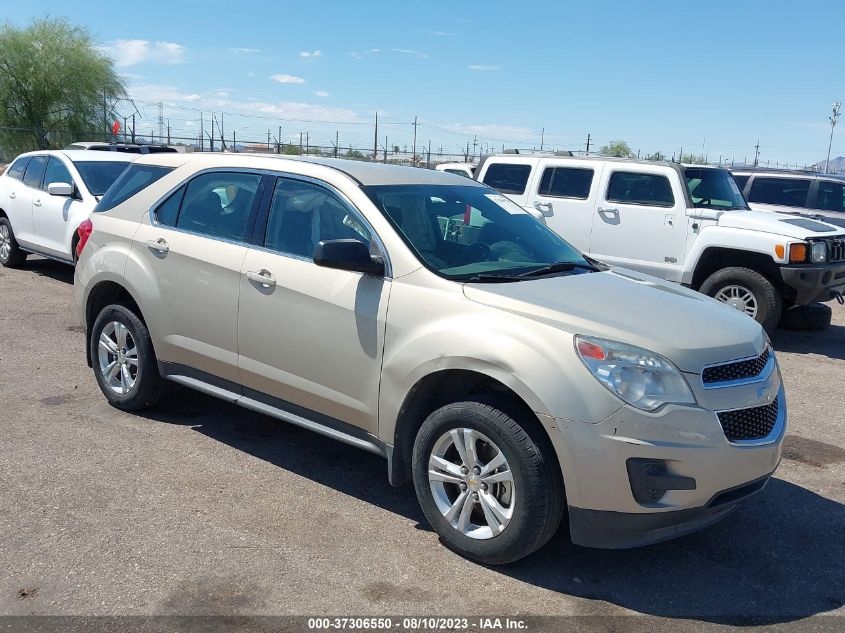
column 614, row 159
column 81, row 155
column 785, row 172
column 365, row 173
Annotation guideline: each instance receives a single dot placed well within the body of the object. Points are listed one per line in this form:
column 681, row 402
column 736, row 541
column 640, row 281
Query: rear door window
column 507, row 178
column 18, row 168
column 566, row 182
column 651, row 190
column 788, row 192
column 219, row 204
column 34, row 171
column 831, row 196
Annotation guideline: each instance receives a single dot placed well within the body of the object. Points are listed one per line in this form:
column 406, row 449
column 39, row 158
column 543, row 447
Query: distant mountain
column 837, row 165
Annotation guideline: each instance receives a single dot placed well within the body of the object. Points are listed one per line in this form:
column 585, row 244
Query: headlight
column 818, row 253
column 643, row 379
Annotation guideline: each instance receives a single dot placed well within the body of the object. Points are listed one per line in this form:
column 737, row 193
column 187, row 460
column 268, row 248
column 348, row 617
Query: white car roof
column 365, row 173
column 82, row 155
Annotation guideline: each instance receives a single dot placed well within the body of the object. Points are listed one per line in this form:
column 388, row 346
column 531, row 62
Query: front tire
column 489, row 486
column 749, row 292
column 11, row 255
column 124, row 360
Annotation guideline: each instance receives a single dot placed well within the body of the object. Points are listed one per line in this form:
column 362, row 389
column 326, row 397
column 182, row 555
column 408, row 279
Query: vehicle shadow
column 830, row 343
column 777, row 559
column 50, row 268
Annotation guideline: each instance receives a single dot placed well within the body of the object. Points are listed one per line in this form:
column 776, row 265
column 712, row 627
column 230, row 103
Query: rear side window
column 831, row 196
column 651, row 190
column 57, row 172
column 34, row 171
column 17, row 168
column 507, row 178
column 168, row 211
column 218, row 204
column 788, row 192
column 741, row 181
column 134, row 179
column 566, row 182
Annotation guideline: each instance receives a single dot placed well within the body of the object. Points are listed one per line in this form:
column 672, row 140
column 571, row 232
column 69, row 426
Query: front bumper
column 707, row 476
column 814, row 282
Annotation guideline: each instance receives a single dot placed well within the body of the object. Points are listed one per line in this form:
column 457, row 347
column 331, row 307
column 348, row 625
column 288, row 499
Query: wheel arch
column 439, row 388
column 106, row 292
column 715, row 258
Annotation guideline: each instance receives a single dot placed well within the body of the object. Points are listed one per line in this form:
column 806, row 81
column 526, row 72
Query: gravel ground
column 199, row 507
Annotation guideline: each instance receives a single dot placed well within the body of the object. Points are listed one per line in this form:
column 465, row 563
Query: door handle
column 607, row 210
column 262, row 277
column 543, row 207
column 159, row 245
column 37, row 203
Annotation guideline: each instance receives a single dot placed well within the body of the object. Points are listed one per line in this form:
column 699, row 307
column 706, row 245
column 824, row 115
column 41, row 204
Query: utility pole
column 300, row 143
column 336, row 141
column 588, row 142
column 161, row 120
column 542, row 136
column 279, row 141
column 428, row 159
column 168, row 131
column 474, row 143
column 414, row 151
column 133, row 128
column 202, row 132
column 757, row 153
column 105, row 118
column 211, row 136
column 833, row 120
column 268, row 140
column 375, row 140
column 234, row 140
column 307, row 141
column 385, row 148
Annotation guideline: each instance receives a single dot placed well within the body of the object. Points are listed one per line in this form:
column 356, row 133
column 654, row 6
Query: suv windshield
column 99, row 175
column 713, row 189
column 471, row 233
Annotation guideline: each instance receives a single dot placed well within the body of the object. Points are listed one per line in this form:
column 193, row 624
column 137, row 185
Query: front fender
column 730, row 238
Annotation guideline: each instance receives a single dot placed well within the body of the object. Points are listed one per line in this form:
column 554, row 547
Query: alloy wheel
column 5, row 242
column 740, row 298
column 118, row 357
column 472, row 483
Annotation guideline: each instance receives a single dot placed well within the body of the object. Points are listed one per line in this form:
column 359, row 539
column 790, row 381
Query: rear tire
column 124, row 360
column 11, row 255
column 813, row 317
column 508, row 511
column 748, row 291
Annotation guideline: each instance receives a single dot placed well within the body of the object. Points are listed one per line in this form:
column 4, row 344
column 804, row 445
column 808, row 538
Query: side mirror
column 347, row 255
column 60, row 189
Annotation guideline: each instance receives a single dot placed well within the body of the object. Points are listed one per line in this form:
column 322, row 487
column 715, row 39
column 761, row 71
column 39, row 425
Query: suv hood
column 788, row 225
column 688, row 328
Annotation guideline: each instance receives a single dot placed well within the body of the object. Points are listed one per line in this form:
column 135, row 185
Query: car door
column 16, row 199
column 309, row 336
column 640, row 220
column 31, row 184
column 565, row 193
column 194, row 247
column 50, row 213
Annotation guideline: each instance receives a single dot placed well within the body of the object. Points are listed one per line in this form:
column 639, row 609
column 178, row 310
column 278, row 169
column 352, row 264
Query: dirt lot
column 199, row 507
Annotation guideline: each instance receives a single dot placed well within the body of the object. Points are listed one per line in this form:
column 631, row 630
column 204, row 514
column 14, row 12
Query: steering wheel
column 473, row 253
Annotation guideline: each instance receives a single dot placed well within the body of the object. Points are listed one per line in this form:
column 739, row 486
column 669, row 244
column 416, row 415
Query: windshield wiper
column 494, row 277
column 559, row 267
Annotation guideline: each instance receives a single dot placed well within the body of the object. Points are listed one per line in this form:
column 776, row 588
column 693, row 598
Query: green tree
column 656, row 156
column 616, row 148
column 56, row 86
column 694, row 159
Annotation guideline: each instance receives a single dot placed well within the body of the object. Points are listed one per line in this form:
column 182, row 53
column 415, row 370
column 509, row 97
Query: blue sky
column 712, row 77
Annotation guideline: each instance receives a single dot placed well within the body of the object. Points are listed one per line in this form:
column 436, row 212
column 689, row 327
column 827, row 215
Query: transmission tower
column 160, row 120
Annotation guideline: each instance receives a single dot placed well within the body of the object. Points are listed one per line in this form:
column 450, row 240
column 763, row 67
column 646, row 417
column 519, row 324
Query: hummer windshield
column 713, row 189
column 471, row 233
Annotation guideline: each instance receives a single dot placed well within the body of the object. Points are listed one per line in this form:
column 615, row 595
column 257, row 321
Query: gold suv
column 427, row 318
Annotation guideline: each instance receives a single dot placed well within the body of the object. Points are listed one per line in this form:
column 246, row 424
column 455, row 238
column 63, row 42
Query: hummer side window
column 831, row 196
column 507, row 178
column 566, row 182
column 642, row 189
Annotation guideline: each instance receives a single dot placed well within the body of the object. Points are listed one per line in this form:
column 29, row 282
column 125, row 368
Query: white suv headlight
column 641, row 378
column 818, row 253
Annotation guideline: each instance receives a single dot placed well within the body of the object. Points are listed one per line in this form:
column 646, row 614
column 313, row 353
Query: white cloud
column 441, row 33
column 131, row 52
column 407, row 51
column 483, row 67
column 403, row 51
column 299, row 111
column 243, row 51
column 494, row 132
column 307, row 54
column 287, row 79
column 322, row 93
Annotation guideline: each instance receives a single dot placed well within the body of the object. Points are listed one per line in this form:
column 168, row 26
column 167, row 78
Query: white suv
column 45, row 196
column 684, row 223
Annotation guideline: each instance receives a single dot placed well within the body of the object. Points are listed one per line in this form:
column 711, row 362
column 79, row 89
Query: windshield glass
column 99, row 175
column 713, row 189
column 470, row 233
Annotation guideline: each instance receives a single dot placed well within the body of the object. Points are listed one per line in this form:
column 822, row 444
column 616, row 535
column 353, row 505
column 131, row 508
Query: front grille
column 837, row 250
column 736, row 371
column 749, row 424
